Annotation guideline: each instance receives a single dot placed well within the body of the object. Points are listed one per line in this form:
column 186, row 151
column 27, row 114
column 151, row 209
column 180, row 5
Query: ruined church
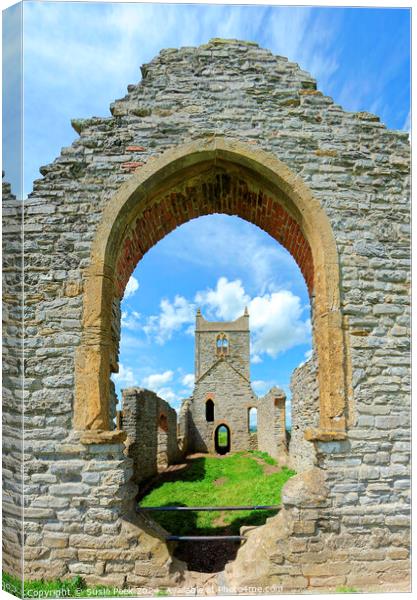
column 216, row 418
column 223, row 395
column 230, row 128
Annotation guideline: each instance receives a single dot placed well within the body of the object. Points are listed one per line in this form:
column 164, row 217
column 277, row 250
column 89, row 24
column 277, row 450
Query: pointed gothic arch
column 222, row 439
column 204, row 177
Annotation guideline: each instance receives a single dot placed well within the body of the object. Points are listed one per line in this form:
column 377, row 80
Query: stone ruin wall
column 78, row 496
column 150, row 445
column 253, row 440
column 184, row 426
column 12, row 460
column 304, row 413
column 272, row 437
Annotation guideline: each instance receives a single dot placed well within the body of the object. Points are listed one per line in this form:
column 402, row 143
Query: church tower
column 223, row 396
column 218, row 340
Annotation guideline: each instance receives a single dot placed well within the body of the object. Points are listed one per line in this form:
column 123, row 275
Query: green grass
column 162, row 592
column 243, row 481
column 264, row 455
column 344, row 589
column 54, row 588
column 11, row 584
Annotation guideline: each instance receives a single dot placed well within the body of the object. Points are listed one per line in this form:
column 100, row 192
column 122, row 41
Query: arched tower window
column 222, row 344
column 209, row 411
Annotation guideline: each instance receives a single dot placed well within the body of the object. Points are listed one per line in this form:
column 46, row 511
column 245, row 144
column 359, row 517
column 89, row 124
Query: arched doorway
column 216, row 176
column 222, row 439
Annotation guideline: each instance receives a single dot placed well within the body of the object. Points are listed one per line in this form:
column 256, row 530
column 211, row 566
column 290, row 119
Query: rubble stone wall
column 86, row 524
column 304, row 413
column 151, row 426
column 272, row 436
column 12, row 373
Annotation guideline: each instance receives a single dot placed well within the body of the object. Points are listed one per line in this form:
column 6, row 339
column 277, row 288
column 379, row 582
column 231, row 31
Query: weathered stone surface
column 69, row 489
column 222, row 392
column 12, row 373
column 306, row 489
column 55, row 541
column 304, row 414
column 272, row 434
column 151, row 427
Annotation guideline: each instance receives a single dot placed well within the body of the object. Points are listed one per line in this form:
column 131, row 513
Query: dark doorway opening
column 222, row 439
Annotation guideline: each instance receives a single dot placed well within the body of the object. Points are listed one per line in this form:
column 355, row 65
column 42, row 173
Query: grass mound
column 236, row 479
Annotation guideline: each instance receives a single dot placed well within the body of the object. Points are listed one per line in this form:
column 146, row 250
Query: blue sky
column 79, row 57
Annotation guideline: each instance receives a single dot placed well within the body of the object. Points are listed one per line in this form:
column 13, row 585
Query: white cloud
column 125, row 376
column 236, row 242
column 156, row 380
column 168, row 387
column 171, row 318
column 79, row 56
column 227, row 301
column 260, row 386
column 307, row 356
column 253, row 417
column 131, row 287
column 131, row 320
column 168, row 394
column 255, row 359
column 277, row 323
column 165, row 384
column 275, row 318
column 188, row 380
column 190, row 330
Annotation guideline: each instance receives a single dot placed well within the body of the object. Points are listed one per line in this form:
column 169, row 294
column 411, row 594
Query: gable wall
column 238, row 350
column 232, row 397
